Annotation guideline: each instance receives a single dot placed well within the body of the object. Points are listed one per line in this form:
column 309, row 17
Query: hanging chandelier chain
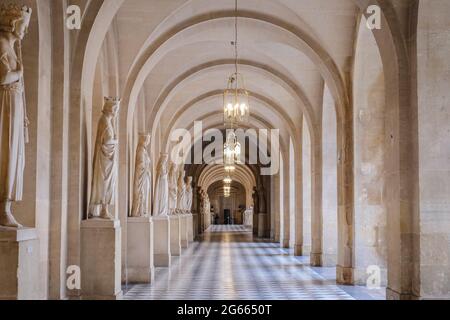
column 236, row 38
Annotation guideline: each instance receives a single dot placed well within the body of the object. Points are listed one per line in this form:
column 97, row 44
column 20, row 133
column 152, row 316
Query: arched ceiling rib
column 305, row 43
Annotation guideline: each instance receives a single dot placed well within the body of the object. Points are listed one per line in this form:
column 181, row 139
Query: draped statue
column 14, row 23
column 189, row 195
column 106, row 155
column 181, row 197
column 161, row 195
column 173, row 187
column 142, row 179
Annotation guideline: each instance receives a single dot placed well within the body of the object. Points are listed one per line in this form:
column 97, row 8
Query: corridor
column 228, row 264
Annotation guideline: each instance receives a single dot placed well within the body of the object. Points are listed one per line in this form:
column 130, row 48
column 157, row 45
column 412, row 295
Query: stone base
column 262, row 217
column 360, row 276
column 344, row 275
column 248, row 219
column 190, row 227
column 195, row 217
column 394, row 295
column 316, row 259
column 101, row 259
column 184, row 231
column 298, row 250
column 329, row 260
column 161, row 241
column 140, row 267
column 175, row 242
column 285, row 244
column 19, row 264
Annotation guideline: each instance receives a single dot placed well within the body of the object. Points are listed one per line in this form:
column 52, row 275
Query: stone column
column 345, row 266
column 298, row 201
column 316, row 255
column 276, row 204
column 19, row 264
column 262, row 220
column 140, row 265
column 286, row 204
column 101, row 259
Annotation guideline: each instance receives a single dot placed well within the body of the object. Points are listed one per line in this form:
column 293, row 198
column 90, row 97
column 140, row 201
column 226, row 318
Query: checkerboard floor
column 228, row 264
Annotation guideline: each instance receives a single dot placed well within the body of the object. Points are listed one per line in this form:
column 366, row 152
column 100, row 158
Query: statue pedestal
column 140, row 250
column 101, row 259
column 184, row 231
column 19, row 264
column 195, row 217
column 175, row 241
column 161, row 227
column 190, row 227
column 248, row 219
column 262, row 217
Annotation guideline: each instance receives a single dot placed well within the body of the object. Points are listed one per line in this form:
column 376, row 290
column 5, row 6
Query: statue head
column 144, row 139
column 15, row 20
column 189, row 181
column 111, row 106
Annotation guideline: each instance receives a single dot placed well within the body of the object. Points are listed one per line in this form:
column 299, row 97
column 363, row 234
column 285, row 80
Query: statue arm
column 109, row 137
column 6, row 75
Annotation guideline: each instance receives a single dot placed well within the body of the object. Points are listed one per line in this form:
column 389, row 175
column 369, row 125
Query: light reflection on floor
column 229, row 265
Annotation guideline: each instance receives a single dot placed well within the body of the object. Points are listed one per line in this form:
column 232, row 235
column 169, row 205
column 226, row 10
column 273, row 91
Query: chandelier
column 227, row 180
column 236, row 98
column 229, row 169
column 227, row 191
column 231, row 150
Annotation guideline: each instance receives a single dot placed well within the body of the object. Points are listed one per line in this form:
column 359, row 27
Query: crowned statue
column 189, row 195
column 173, row 187
column 142, row 179
column 161, row 194
column 106, row 155
column 14, row 23
column 181, row 196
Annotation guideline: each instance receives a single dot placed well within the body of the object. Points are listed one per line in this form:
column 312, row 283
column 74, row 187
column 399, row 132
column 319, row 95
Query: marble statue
column 189, row 195
column 161, row 194
column 14, row 23
column 255, row 197
column 142, row 179
column 173, row 187
column 106, row 155
column 181, row 196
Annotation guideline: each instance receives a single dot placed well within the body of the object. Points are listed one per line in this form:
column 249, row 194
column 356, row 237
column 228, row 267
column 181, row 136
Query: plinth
column 101, row 259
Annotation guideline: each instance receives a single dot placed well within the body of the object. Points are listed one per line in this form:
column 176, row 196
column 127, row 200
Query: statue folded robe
column 14, row 22
column 181, row 196
column 12, row 141
column 142, row 179
column 161, row 195
column 173, row 188
column 105, row 161
column 189, row 195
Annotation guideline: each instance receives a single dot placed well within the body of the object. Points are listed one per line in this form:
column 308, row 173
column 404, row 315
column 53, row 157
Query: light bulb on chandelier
column 231, row 150
column 227, row 180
